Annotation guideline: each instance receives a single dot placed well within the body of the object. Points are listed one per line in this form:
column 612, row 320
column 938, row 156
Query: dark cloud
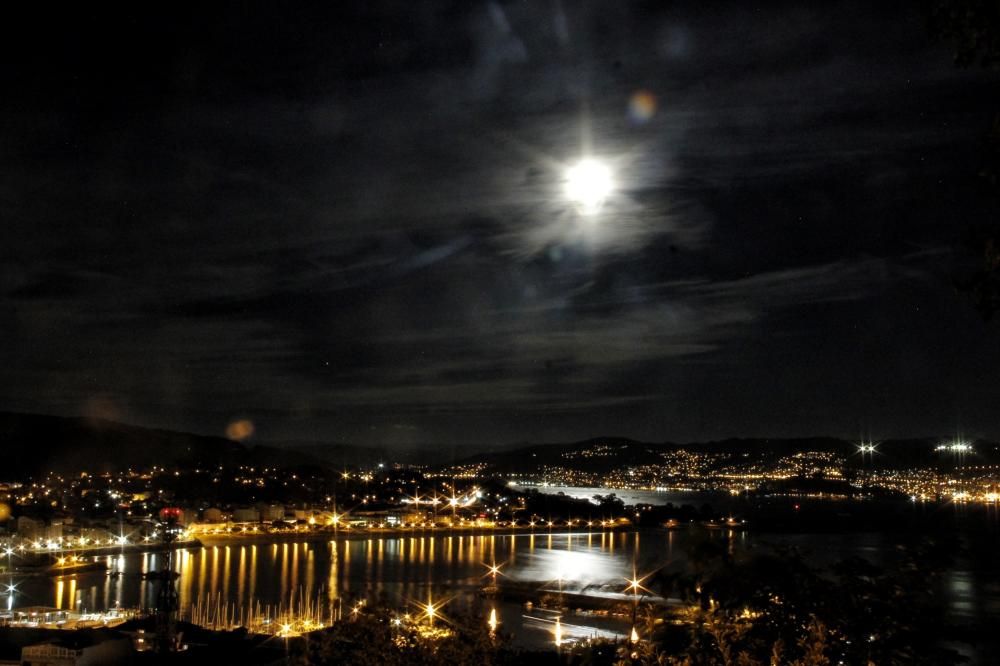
column 346, row 221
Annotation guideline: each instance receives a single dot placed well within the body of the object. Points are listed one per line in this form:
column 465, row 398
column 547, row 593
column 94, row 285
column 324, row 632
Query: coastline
column 361, row 534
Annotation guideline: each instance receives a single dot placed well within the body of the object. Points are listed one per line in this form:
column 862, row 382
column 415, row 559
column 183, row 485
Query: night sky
column 347, row 222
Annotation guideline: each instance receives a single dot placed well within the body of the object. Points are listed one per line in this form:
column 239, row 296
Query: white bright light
column 958, row 447
column 588, row 184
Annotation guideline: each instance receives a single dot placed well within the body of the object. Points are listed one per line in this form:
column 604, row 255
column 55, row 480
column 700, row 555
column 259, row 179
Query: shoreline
column 358, row 534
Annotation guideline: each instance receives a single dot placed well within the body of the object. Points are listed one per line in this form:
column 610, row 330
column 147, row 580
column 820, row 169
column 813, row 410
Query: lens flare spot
column 239, row 430
column 641, row 106
column 4, row 512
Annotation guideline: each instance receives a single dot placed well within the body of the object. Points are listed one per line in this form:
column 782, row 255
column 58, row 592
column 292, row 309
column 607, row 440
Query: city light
column 493, row 570
column 313, row 312
column 635, row 584
column 955, row 447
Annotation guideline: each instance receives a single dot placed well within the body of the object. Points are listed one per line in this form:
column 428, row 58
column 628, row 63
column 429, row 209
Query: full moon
column 588, row 184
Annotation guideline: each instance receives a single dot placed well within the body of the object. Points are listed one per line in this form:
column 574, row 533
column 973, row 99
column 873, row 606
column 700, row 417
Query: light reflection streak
column 347, row 566
column 186, row 582
column 213, row 571
column 380, row 566
column 331, row 583
column 202, row 573
column 284, row 567
column 253, row 572
column 107, row 590
column 368, row 559
column 225, row 575
column 145, row 594
column 241, row 574
column 310, row 571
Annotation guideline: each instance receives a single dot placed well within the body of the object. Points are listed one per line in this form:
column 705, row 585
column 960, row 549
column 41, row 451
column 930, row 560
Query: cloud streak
column 368, row 226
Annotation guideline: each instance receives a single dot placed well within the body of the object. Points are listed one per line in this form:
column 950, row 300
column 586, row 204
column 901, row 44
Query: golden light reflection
column 310, row 571
column 187, row 578
column 253, row 572
column 284, row 566
column 347, row 565
column 331, row 583
column 241, row 573
column 225, row 573
column 492, row 622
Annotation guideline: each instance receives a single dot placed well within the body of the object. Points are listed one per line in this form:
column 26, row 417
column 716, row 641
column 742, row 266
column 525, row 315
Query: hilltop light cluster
column 952, row 478
column 955, row 447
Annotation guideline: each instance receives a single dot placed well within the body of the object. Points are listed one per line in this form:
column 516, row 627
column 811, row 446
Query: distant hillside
column 588, row 455
column 338, row 455
column 33, row 444
column 595, row 454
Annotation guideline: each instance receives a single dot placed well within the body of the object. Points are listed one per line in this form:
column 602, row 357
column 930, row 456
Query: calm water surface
column 407, row 570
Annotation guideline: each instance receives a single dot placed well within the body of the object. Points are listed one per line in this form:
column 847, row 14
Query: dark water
column 410, row 570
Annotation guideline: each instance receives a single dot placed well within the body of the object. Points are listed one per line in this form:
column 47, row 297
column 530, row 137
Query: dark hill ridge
column 33, row 444
column 339, row 456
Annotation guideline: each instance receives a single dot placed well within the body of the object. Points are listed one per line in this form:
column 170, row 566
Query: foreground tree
column 377, row 636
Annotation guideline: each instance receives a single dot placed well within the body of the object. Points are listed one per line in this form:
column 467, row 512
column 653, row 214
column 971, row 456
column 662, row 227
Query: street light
column 635, row 584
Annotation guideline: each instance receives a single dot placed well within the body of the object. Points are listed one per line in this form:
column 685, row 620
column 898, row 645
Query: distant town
column 90, row 510
column 138, row 528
